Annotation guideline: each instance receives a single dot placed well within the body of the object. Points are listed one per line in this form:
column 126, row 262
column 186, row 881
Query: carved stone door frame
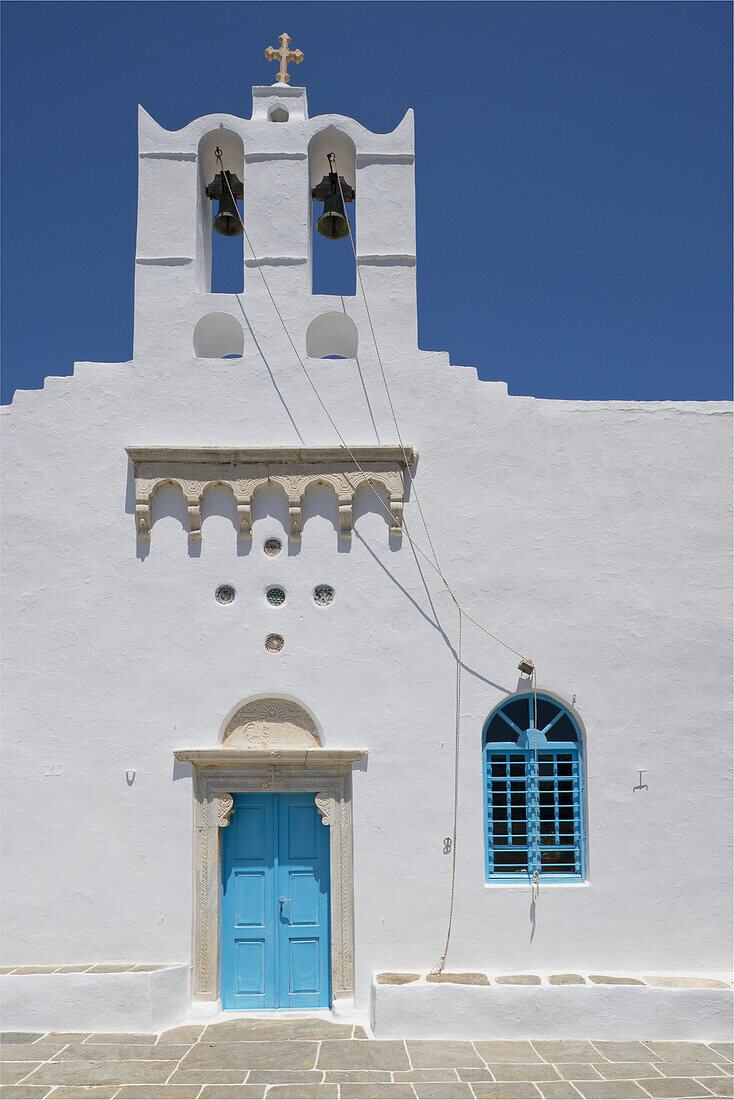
column 219, row 774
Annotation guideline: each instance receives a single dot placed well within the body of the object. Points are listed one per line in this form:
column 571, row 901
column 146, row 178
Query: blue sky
column 573, row 173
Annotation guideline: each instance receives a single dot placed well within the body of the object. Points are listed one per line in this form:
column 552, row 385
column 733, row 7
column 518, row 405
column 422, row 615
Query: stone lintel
column 271, row 455
column 299, row 757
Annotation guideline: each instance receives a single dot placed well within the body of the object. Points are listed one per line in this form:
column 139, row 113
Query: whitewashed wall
column 592, row 535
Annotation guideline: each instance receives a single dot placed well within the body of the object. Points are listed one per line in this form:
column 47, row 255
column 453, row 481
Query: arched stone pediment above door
column 271, row 723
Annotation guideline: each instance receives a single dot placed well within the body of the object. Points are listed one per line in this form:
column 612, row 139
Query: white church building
column 259, row 579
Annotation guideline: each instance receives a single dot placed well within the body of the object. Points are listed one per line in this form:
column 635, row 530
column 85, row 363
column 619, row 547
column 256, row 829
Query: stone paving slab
column 583, row 1071
column 287, row 1054
column 666, row 1087
column 719, row 1086
column 158, row 1092
column 78, row 1092
column 429, row 1053
column 233, row 1092
column 13, row 1072
column 687, row 1069
column 609, row 1090
column 435, row 1075
column 208, row 1075
column 359, row 1076
column 624, row 1052
column 377, row 1054
column 506, row 1090
column 456, row 1091
column 565, row 1050
column 188, row 1033
column 23, row 1092
column 727, row 1049
column 507, row 1050
column 509, row 1071
column 119, row 1052
column 20, row 1036
column 559, row 1090
column 25, row 1052
column 121, row 1037
column 303, row 1092
column 101, row 1073
column 683, row 1052
column 402, row 1091
column 624, row 1071
column 285, row 1077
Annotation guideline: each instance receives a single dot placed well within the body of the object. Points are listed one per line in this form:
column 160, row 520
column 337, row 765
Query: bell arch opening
column 220, row 258
column 332, row 336
column 278, row 114
column 333, row 269
column 270, row 721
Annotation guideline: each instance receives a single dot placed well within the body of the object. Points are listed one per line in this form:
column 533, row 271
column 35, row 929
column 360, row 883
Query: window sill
column 551, row 880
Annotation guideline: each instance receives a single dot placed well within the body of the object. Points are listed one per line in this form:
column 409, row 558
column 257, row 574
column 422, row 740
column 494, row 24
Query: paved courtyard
column 309, row 1058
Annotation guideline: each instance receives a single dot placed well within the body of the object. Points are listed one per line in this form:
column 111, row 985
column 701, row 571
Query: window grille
column 518, row 802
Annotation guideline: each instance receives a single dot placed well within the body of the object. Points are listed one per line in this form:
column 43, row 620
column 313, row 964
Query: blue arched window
column 519, row 801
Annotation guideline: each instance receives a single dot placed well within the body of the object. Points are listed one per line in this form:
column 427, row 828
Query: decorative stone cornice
column 246, row 470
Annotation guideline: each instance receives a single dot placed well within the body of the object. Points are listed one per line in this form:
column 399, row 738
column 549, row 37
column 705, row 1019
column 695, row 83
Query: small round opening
column 275, row 596
column 278, row 114
column 272, row 547
column 224, row 594
column 274, row 643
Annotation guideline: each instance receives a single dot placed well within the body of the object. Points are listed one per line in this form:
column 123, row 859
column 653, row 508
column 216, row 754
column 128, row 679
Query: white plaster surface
column 593, row 536
column 423, row 1011
column 143, row 1002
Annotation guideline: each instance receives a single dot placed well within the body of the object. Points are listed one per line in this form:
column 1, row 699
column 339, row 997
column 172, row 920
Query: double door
column 275, row 905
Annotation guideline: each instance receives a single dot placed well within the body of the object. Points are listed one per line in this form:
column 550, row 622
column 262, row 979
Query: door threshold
column 211, row 1012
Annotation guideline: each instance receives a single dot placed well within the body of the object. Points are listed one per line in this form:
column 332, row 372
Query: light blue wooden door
column 275, row 904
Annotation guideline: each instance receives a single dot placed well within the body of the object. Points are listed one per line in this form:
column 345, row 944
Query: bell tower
column 282, row 161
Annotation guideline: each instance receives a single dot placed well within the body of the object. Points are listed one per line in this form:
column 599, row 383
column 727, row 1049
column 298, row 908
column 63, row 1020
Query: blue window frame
column 520, row 802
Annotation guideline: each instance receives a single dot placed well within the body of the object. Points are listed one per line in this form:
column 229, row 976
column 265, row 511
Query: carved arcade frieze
column 246, row 471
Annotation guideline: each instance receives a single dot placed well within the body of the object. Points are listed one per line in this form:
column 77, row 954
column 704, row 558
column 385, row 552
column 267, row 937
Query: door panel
column 249, row 968
column 248, row 904
column 303, row 873
column 275, row 904
column 304, row 970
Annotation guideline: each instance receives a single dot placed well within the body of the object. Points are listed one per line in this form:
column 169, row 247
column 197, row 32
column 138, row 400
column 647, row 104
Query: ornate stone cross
column 284, row 55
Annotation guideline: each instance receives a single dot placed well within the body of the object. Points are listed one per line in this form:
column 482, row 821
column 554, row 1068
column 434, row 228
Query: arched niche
column 218, row 336
column 332, row 334
column 271, row 722
column 211, row 244
column 278, row 114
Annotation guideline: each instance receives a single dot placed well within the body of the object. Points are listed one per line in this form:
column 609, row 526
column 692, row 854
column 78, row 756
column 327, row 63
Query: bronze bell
column 227, row 218
column 333, row 222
